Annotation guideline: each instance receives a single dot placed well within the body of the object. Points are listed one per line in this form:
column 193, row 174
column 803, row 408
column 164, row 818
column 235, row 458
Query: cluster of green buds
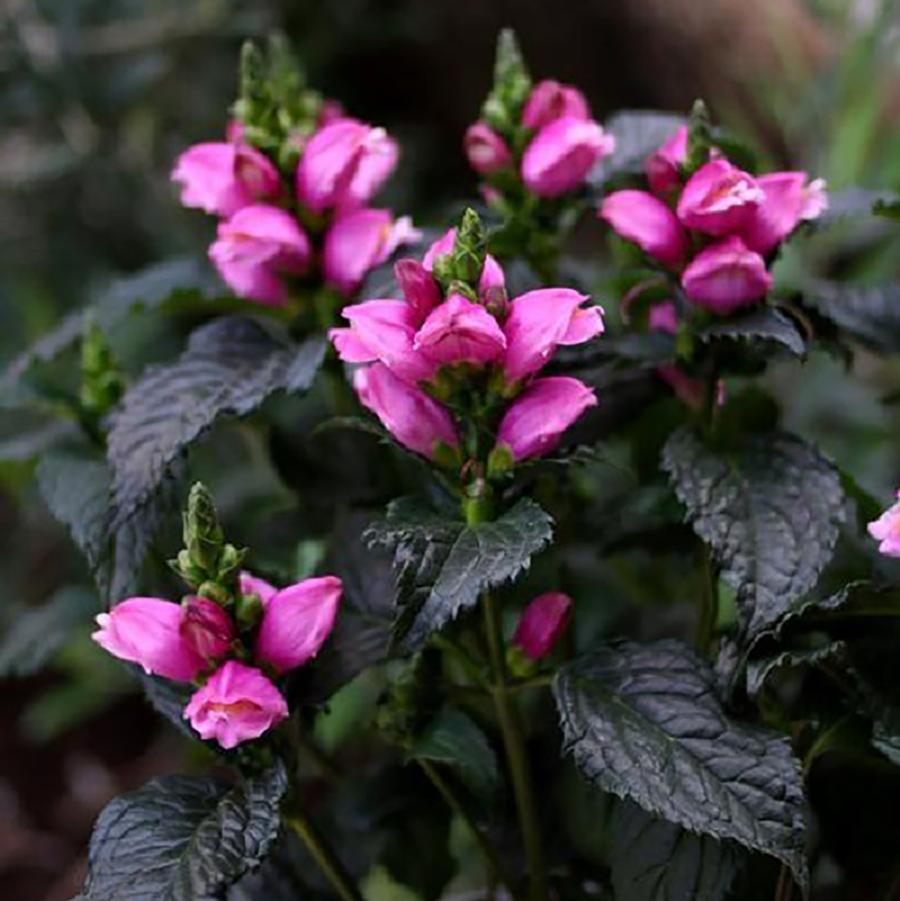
column 102, row 384
column 502, row 109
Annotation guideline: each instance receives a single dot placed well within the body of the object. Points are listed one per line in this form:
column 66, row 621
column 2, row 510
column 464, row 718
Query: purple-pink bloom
column 256, row 248
column 561, row 155
column 663, row 165
column 550, row 100
column 460, row 331
column 485, row 150
column 237, row 704
column 206, row 627
column 535, row 421
column 886, row 530
column 719, row 199
column 789, row 198
column 359, row 240
column 250, row 584
column 726, row 276
column 663, row 317
column 416, row 420
column 541, row 320
column 644, row 219
column 418, row 287
column 147, row 631
column 344, row 164
column 296, row 621
column 542, row 623
column 223, row 177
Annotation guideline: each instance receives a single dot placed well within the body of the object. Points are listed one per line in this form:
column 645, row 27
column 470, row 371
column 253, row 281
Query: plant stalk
column 709, row 604
column 784, row 890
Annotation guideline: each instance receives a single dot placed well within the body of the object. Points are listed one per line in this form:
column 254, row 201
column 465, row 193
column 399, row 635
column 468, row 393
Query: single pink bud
column 491, row 274
column 250, row 584
column 663, row 317
column 206, row 627
column 147, row 631
column 419, row 288
column 415, row 419
column 485, row 150
column 662, row 166
column 644, row 219
column 549, row 100
column 358, row 241
column 237, row 704
column 539, row 321
column 886, row 530
column 256, row 248
column 460, row 331
column 788, row 199
column 542, row 624
column 344, row 164
column 383, row 330
column 535, row 421
column 561, row 155
column 296, row 621
column 726, row 276
column 719, row 199
column 222, row 178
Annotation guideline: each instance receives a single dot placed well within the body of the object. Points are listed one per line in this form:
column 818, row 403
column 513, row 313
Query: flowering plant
column 566, row 612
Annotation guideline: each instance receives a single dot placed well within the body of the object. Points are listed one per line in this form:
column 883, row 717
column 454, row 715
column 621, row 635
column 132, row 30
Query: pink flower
column 147, row 631
column 206, row 627
column 491, row 275
column 460, row 331
column 485, row 150
column 726, row 276
column 358, row 241
column 886, row 530
column 418, row 286
column 534, row 423
column 383, row 330
column 663, row 317
column 222, row 178
column 549, row 100
column 662, row 166
column 562, row 154
column 416, row 420
column 788, row 199
column 237, row 704
column 296, row 621
column 344, row 164
column 256, row 248
column 719, row 199
column 542, row 624
column 539, row 321
column 644, row 219
column 250, row 584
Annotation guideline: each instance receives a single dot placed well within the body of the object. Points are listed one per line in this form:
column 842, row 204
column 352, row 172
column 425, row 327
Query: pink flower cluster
column 184, row 642
column 886, row 530
column 718, row 228
column 564, row 142
column 411, row 343
column 261, row 243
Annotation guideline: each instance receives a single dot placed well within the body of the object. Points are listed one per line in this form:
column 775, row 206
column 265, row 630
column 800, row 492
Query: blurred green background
column 97, row 97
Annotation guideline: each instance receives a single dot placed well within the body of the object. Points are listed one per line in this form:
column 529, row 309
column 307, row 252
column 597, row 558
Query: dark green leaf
column 652, row 860
column 638, row 133
column 644, row 722
column 442, row 564
column 763, row 324
column 454, row 740
column 183, row 838
column 886, row 734
column 28, row 444
column 770, row 511
column 230, row 367
column 759, row 669
column 36, row 633
column 871, row 315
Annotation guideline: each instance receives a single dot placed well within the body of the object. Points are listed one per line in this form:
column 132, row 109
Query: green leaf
column 652, row 860
column 36, row 633
column 183, row 838
column 31, row 442
column 442, row 564
column 638, row 133
column 762, row 324
column 871, row 315
column 453, row 739
column 229, row 368
column 759, row 669
column 886, row 734
column 644, row 722
column 770, row 512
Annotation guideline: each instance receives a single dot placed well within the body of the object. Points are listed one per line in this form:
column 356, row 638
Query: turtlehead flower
column 550, row 100
column 485, row 150
column 419, row 289
column 296, row 622
column 726, row 276
column 460, row 331
column 238, row 703
column 663, row 165
column 207, row 628
column 644, row 219
column 147, row 631
column 250, row 584
column 719, row 199
column 886, row 530
column 789, row 198
column 222, row 178
column 542, row 624
column 256, row 248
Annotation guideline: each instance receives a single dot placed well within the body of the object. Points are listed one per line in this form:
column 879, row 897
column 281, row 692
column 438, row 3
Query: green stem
column 517, row 758
column 328, row 863
column 495, row 868
column 709, row 604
